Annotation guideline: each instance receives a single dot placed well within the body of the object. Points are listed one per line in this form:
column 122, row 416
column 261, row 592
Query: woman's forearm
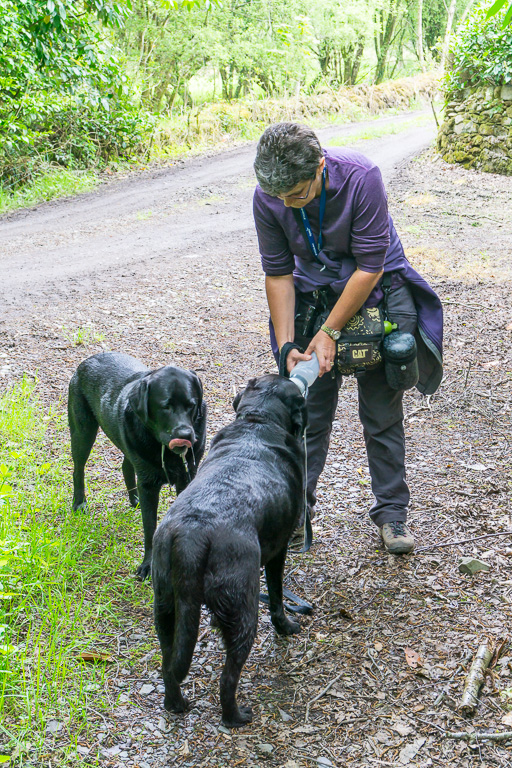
column 281, row 302
column 355, row 293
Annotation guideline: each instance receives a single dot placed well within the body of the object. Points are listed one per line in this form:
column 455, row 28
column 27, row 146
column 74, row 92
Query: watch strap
column 331, row 332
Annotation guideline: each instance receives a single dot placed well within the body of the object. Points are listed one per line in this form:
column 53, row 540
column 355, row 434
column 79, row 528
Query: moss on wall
column 477, row 130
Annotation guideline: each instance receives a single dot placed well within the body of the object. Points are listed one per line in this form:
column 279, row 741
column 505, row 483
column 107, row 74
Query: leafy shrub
column 481, row 52
column 63, row 95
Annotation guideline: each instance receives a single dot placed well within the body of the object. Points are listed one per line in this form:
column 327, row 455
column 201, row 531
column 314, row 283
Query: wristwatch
column 334, row 335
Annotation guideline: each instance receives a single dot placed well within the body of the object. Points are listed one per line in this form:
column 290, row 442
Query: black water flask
column 400, row 360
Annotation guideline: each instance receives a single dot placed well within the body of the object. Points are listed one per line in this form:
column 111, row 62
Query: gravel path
column 165, row 267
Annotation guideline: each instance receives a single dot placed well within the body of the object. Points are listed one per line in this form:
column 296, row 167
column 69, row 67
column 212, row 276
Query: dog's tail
column 179, row 594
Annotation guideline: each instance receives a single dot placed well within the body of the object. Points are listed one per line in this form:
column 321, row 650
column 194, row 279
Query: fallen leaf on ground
column 507, row 719
column 94, row 656
column 184, row 750
column 413, row 658
column 402, row 728
column 410, row 751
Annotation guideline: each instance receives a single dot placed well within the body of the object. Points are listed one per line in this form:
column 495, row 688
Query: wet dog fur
column 235, row 517
column 141, row 412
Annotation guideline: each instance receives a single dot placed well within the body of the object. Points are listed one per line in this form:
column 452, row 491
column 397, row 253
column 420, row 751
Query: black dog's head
column 169, row 402
column 275, row 399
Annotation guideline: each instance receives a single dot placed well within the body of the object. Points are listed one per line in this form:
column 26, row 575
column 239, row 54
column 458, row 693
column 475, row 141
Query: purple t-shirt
column 357, row 230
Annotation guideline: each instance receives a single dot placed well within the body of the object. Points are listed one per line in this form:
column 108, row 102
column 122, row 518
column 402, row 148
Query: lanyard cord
column 314, row 247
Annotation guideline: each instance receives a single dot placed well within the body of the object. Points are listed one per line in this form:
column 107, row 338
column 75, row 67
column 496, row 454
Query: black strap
column 308, row 532
column 301, row 606
column 386, row 290
column 283, row 355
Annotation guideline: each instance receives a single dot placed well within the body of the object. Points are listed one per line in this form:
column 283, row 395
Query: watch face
column 336, row 335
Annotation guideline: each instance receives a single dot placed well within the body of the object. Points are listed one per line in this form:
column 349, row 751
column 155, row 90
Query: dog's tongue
column 179, row 442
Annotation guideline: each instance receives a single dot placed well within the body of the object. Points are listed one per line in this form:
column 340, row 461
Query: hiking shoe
column 397, row 538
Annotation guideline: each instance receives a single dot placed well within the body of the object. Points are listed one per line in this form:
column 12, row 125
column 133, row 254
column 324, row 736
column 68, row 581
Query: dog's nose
column 183, row 433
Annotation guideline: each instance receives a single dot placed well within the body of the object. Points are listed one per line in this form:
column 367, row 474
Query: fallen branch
column 463, row 541
column 322, row 693
column 445, row 688
column 475, row 679
column 477, row 736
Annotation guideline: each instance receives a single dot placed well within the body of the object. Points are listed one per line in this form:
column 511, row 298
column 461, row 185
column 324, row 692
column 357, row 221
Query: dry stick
column 476, row 735
column 322, row 693
column 475, row 679
column 444, row 690
column 463, row 541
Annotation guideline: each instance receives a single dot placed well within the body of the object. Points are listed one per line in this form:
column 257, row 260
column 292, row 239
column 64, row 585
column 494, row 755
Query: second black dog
column 156, row 418
column 236, row 516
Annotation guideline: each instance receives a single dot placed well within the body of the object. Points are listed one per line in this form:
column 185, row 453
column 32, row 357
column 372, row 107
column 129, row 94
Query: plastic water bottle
column 305, row 373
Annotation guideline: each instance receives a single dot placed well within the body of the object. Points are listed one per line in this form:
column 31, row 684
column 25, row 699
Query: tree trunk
column 449, row 25
column 467, row 9
column 419, row 35
column 352, row 56
column 383, row 39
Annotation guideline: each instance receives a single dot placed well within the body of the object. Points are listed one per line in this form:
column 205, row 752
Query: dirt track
column 198, row 208
column 165, row 267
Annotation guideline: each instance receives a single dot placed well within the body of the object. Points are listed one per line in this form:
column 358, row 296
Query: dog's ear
column 200, row 387
column 299, row 415
column 236, row 401
column 139, row 398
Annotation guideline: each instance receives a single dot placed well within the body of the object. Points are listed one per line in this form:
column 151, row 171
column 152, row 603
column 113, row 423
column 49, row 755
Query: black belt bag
column 359, row 347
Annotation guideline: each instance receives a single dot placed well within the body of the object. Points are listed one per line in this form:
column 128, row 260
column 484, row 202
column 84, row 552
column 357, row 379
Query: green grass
column 377, row 131
column 66, row 582
column 47, row 186
column 82, row 336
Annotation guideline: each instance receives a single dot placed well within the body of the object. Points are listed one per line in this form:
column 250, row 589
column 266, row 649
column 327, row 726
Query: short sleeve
column 370, row 222
column 276, row 256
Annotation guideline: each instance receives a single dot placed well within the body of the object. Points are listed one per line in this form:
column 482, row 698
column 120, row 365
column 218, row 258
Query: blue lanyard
column 315, row 249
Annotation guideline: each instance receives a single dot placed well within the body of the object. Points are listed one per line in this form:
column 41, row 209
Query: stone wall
column 477, row 131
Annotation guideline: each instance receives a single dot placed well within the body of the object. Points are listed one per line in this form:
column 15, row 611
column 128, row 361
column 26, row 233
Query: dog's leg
column 129, row 479
column 83, row 428
column 274, row 574
column 233, row 597
column 148, row 499
column 173, row 673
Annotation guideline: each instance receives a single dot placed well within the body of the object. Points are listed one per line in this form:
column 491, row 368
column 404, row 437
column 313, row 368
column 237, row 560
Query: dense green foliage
column 64, row 97
column 481, row 51
column 84, row 82
column 498, row 6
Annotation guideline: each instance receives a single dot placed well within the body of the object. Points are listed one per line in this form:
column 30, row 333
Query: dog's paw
column 177, row 705
column 239, row 718
column 134, row 500
column 286, row 627
column 80, row 506
column 143, row 571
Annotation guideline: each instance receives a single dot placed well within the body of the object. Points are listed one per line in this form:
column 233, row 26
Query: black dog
column 156, row 418
column 236, row 516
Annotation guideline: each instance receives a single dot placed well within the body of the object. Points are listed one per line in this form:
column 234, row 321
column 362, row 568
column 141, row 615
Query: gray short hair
column 287, row 153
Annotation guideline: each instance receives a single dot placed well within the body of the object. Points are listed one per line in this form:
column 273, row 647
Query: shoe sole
column 400, row 550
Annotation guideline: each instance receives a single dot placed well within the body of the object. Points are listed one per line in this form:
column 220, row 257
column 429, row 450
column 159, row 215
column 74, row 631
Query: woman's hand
column 325, row 349
column 294, row 357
